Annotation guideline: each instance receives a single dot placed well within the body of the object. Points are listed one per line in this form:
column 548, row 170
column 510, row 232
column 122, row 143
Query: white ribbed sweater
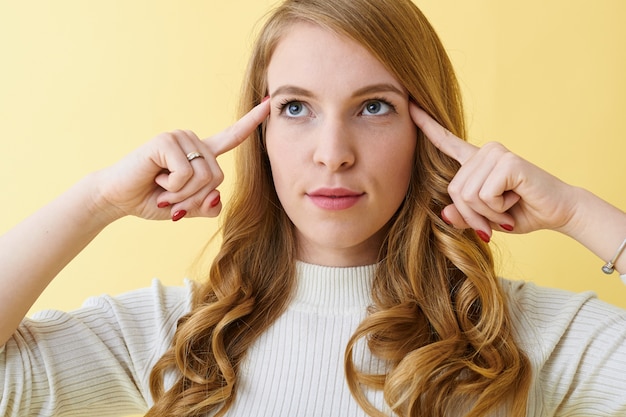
column 96, row 361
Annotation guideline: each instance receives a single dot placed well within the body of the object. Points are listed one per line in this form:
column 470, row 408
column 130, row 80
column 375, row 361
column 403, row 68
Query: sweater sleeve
column 93, row 361
column 577, row 348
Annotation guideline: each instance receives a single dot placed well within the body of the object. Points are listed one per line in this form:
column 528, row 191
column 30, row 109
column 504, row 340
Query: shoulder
column 157, row 305
column 576, row 344
column 156, row 297
column 142, row 318
column 146, row 316
column 545, row 315
column 114, row 341
column 137, row 326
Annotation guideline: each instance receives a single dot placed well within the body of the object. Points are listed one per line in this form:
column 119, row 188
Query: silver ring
column 193, row 155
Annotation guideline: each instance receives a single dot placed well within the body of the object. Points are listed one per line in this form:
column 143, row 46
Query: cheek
column 282, row 162
column 285, row 152
column 272, row 145
column 275, row 143
column 397, row 153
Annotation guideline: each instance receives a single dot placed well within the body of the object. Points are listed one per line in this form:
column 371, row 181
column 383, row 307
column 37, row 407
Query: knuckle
column 218, row 176
column 453, row 189
column 169, row 138
column 510, row 158
column 468, row 194
column 203, row 175
column 189, row 134
column 166, row 136
column 485, row 196
column 215, row 176
column 177, row 133
column 185, row 171
column 493, row 202
column 207, row 176
column 493, row 146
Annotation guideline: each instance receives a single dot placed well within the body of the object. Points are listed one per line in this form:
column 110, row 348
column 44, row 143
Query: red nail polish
column 483, row 236
column 179, row 215
column 163, row 204
column 265, row 99
column 445, row 219
column 507, row 227
column 215, row 201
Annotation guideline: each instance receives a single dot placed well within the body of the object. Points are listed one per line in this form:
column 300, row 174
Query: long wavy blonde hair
column 439, row 316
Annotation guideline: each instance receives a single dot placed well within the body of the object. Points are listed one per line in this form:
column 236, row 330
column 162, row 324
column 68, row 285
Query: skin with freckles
column 341, row 144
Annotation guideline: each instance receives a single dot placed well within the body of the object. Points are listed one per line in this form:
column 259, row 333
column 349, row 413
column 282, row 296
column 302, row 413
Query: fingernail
column 265, row 99
column 483, row 236
column 507, row 227
column 215, row 201
column 179, row 215
column 163, row 204
column 445, row 219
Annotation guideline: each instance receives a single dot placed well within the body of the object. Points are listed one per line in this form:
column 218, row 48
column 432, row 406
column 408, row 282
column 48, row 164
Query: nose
column 334, row 146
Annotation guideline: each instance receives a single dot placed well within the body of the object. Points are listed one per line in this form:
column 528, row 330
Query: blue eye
column 377, row 107
column 294, row 109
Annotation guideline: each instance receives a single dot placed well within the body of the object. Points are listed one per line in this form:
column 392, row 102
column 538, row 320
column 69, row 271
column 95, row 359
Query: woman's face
column 341, row 144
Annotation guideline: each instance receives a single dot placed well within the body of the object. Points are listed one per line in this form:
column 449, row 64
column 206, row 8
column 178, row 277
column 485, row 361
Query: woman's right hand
column 157, row 181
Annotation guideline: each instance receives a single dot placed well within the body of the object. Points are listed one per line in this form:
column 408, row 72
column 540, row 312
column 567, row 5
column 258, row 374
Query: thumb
column 451, row 216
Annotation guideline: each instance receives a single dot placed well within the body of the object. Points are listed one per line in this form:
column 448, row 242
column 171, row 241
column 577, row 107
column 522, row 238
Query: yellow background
column 84, row 82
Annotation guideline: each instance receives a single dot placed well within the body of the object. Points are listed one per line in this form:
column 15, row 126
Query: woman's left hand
column 497, row 190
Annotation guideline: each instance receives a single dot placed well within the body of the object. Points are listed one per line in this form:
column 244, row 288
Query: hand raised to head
column 495, row 189
column 175, row 174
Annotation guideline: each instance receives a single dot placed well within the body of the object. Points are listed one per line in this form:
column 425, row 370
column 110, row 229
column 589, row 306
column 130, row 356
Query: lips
column 334, row 198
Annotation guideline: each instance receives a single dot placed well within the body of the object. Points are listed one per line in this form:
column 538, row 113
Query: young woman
column 354, row 276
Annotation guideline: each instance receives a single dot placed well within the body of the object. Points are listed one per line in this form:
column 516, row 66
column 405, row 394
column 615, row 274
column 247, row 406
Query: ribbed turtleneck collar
column 333, row 290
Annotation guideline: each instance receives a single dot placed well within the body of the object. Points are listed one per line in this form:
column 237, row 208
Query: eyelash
column 283, row 104
column 382, row 100
column 286, row 102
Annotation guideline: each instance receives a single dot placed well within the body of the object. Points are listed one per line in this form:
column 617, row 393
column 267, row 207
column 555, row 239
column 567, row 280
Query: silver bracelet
column 609, row 267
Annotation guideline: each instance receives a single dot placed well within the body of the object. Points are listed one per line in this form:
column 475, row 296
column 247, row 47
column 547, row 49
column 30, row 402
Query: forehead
column 311, row 56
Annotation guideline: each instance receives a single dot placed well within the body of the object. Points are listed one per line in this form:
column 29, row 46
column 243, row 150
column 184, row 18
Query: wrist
column 96, row 204
column 599, row 226
column 579, row 207
column 609, row 266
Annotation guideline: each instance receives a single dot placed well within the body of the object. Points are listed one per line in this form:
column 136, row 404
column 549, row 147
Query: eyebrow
column 369, row 89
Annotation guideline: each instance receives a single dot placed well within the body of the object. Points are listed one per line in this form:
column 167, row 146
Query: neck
column 333, row 290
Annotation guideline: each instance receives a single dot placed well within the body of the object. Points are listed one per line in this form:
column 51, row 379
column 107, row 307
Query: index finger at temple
column 441, row 137
column 238, row 132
